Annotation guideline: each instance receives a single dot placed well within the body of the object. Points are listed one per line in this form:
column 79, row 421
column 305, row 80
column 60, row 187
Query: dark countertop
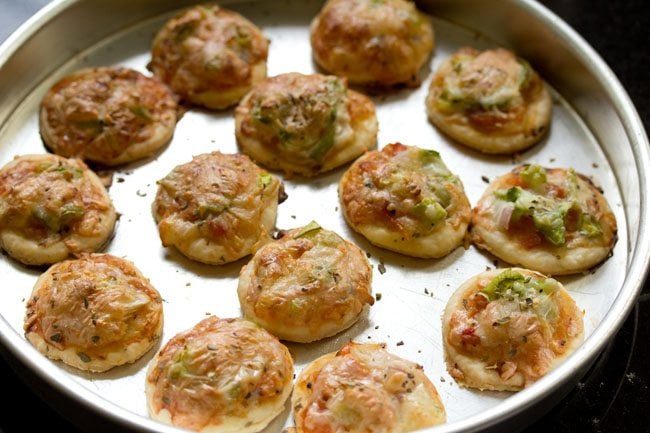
column 614, row 396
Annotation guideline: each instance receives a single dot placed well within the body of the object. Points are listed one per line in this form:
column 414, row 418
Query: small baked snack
column 504, row 329
column 209, row 56
column 552, row 220
column 221, row 376
column 305, row 124
column 491, row 101
column 217, row 208
column 308, row 285
column 404, row 199
column 109, row 115
column 94, row 313
column 363, row 388
column 52, row 207
column 372, row 42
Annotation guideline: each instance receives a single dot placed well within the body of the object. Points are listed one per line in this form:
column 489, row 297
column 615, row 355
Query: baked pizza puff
column 491, row 101
column 221, row 376
column 108, row 115
column 305, row 124
column 308, row 285
column 209, row 56
column 383, row 42
column 362, row 388
column 52, row 207
column 552, row 220
column 404, row 199
column 504, row 329
column 94, row 313
column 217, row 208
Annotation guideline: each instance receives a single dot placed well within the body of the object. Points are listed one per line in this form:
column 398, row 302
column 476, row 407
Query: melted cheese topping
column 107, row 115
column 406, row 190
column 306, row 286
column 208, row 49
column 93, row 308
column 216, row 208
column 305, row 124
column 513, row 338
column 362, row 388
column 382, row 42
column 219, row 370
column 567, row 227
column 47, row 199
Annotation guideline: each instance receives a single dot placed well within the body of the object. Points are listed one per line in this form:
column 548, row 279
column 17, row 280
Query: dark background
column 613, row 396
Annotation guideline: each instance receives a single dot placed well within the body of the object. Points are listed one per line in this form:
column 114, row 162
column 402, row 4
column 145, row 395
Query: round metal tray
column 595, row 129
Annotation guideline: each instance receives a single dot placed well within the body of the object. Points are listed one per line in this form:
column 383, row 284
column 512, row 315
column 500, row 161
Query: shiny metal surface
column 595, row 129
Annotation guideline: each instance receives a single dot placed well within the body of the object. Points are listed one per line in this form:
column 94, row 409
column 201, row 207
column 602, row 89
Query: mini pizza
column 373, row 42
column 404, row 199
column 552, row 220
column 107, row 115
column 221, row 376
column 209, row 56
column 491, row 101
column 94, row 313
column 504, row 329
column 362, row 388
column 308, row 285
column 305, row 124
column 52, row 207
column 217, row 208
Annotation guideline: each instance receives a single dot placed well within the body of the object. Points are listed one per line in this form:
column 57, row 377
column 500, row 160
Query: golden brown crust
column 52, row 207
column 362, row 389
column 217, row 208
column 404, row 199
column 94, row 313
column 222, row 375
column 109, row 115
column 491, row 101
column 506, row 345
column 372, row 42
column 522, row 243
column 209, row 56
column 308, row 285
column 305, row 124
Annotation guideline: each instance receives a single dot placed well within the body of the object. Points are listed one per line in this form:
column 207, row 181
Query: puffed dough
column 109, row 115
column 94, row 313
column 507, row 341
column 403, row 198
column 491, row 101
column 372, row 42
column 51, row 208
column 308, row 285
column 590, row 225
column 221, row 376
column 217, row 208
column 305, row 124
column 363, row 388
column 209, row 56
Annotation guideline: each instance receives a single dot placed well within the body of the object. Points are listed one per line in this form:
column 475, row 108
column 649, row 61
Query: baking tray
column 595, row 129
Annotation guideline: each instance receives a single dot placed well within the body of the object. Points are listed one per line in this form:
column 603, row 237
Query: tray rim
column 636, row 272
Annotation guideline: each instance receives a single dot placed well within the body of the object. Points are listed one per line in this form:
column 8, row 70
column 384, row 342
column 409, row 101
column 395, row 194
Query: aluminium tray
column 595, row 129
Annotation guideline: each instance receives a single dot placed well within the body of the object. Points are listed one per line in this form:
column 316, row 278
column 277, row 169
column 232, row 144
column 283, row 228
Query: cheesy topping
column 301, row 116
column 311, row 279
column 98, row 114
column 365, row 389
column 405, row 188
column 49, row 199
column 95, row 305
column 515, row 322
column 207, row 48
column 220, row 368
